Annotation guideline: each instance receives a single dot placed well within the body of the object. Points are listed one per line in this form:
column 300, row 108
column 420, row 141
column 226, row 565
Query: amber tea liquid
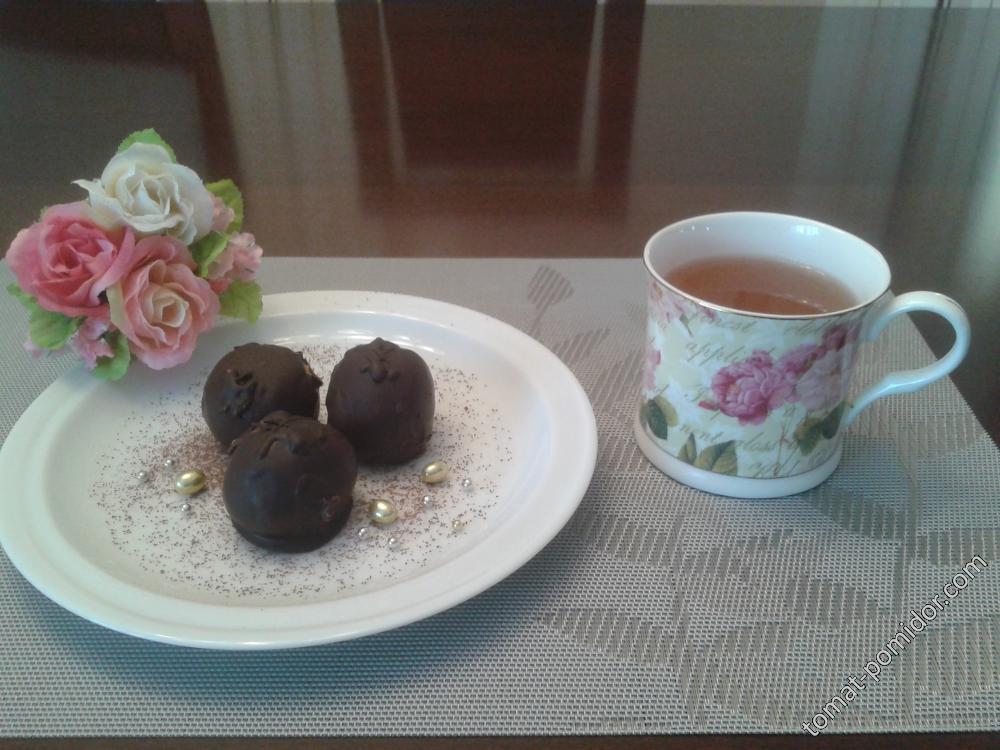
column 761, row 285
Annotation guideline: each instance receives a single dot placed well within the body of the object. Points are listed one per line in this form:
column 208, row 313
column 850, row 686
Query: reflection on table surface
column 555, row 129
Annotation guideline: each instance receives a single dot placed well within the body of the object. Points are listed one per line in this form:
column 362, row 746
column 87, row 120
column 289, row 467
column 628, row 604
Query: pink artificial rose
column 66, row 261
column 89, row 345
column 751, row 389
column 161, row 305
column 653, row 358
column 239, row 261
column 222, row 215
column 824, row 384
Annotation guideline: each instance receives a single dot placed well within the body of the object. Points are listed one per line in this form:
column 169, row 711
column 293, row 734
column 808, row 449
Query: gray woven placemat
column 657, row 609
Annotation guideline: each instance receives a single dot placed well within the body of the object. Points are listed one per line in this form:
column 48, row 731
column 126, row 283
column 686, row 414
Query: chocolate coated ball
column 289, row 483
column 252, row 381
column 382, row 398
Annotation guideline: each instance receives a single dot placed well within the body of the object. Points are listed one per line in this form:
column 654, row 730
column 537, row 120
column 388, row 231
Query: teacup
column 756, row 405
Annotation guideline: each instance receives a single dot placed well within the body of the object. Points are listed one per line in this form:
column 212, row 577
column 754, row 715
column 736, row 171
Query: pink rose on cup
column 796, row 361
column 161, row 305
column 653, row 358
column 751, row 389
column 666, row 305
column 760, row 359
column 239, row 261
column 65, row 260
column 818, row 370
column 823, row 385
column 834, row 337
column 843, row 338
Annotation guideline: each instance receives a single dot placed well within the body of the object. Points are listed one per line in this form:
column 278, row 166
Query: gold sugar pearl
column 190, row 482
column 382, row 512
column 434, row 472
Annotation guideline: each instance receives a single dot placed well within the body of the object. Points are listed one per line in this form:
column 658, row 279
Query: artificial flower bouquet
column 140, row 268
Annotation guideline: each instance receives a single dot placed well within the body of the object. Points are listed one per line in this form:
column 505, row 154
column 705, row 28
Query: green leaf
column 720, row 458
column 689, row 451
column 660, row 415
column 23, row 297
column 51, row 330
column 233, row 198
column 242, row 300
column 47, row 329
column 656, row 419
column 147, row 136
column 807, row 434
column 828, row 427
column 669, row 412
column 207, row 250
column 113, row 368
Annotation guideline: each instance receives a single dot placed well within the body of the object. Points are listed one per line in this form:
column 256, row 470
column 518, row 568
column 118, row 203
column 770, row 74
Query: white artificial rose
column 143, row 188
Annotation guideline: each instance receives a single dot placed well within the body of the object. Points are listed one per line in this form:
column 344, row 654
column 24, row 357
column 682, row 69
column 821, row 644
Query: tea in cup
column 753, row 325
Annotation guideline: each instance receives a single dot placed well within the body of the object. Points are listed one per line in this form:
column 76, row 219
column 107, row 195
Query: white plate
column 124, row 554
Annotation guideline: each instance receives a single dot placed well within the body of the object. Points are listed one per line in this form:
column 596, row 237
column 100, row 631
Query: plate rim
column 38, row 564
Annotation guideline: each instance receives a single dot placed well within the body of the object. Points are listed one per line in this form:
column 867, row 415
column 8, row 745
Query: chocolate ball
column 382, row 398
column 289, row 482
column 252, row 381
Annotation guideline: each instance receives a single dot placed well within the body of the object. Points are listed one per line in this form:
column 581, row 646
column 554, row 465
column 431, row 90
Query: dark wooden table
column 558, row 129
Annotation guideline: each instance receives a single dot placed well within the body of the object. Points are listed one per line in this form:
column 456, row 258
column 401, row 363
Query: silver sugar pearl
column 362, row 532
column 142, row 476
column 186, row 507
column 458, row 524
column 427, row 501
column 169, row 463
column 393, row 541
column 466, row 483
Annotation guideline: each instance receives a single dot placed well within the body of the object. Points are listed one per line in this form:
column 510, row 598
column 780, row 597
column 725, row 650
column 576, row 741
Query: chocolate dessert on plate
column 252, row 381
column 289, row 483
column 381, row 397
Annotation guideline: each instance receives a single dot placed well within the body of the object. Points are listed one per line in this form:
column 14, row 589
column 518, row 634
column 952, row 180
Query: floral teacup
column 755, row 405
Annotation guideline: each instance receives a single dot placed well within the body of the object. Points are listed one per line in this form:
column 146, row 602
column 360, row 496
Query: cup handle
column 906, row 381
